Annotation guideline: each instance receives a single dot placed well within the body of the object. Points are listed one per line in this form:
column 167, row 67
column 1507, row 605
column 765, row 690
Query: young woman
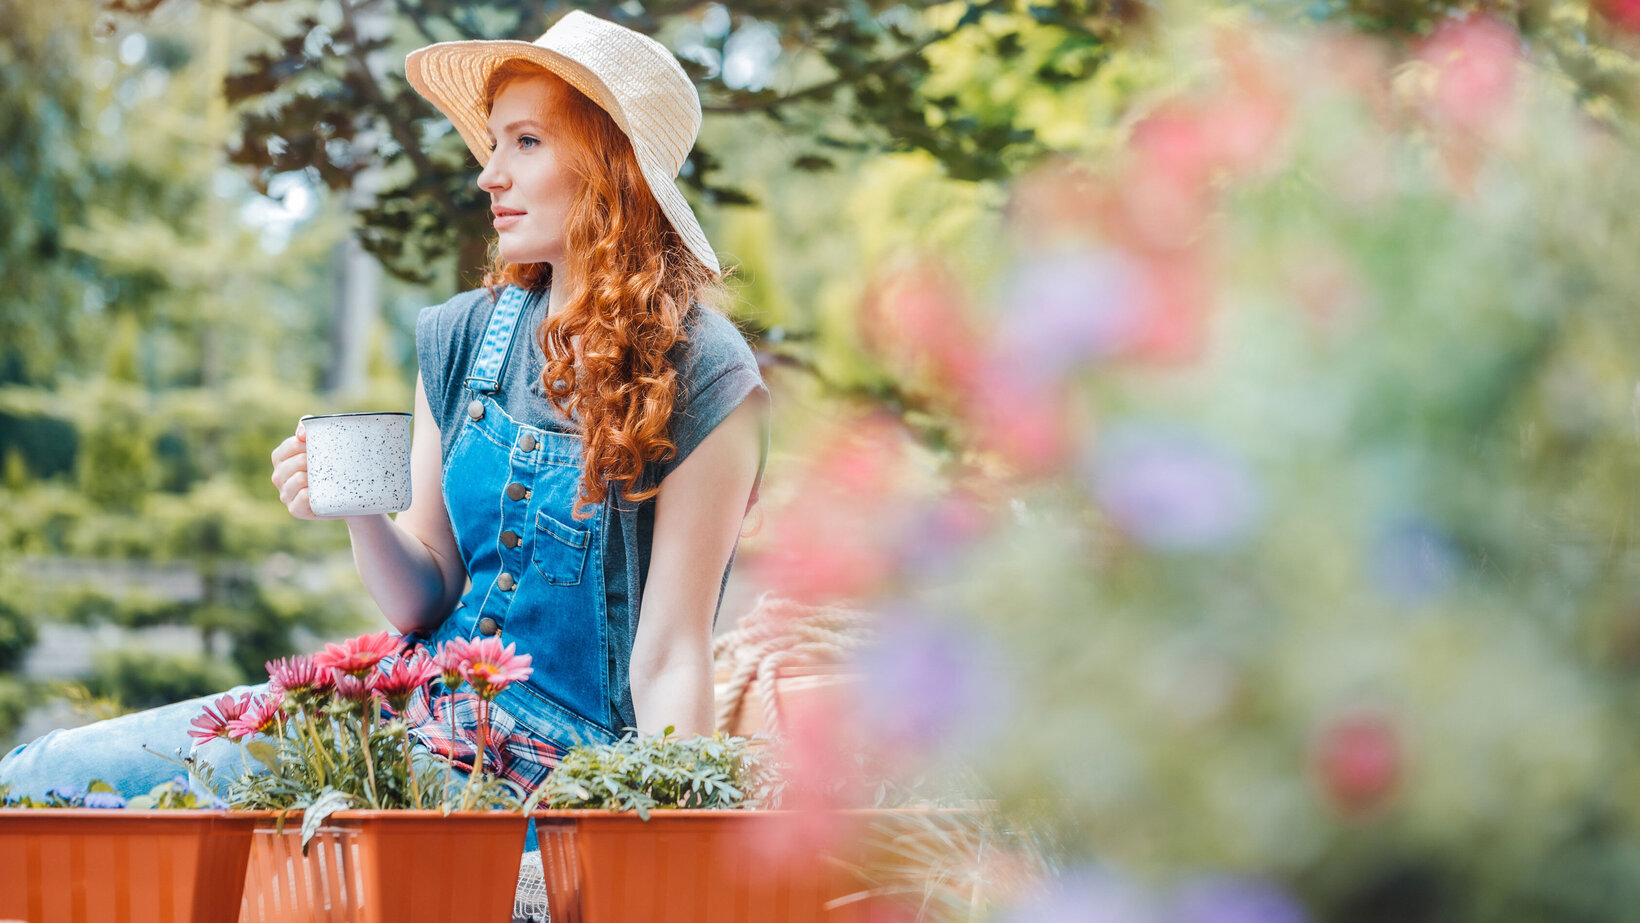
column 589, row 432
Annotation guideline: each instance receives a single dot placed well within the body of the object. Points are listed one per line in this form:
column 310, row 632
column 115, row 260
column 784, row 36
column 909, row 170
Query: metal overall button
column 526, row 442
column 488, row 626
column 476, row 410
column 505, row 582
column 517, row 491
column 510, row 538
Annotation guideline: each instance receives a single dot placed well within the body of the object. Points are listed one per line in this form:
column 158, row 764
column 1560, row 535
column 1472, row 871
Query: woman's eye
column 527, row 142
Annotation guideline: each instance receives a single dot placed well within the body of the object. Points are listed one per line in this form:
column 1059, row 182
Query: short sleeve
column 431, row 347
column 718, row 374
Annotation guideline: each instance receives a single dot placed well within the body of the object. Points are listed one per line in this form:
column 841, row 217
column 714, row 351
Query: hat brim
column 453, row 75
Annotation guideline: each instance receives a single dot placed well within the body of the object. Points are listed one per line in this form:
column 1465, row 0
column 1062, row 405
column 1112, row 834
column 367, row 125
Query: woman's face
column 530, row 187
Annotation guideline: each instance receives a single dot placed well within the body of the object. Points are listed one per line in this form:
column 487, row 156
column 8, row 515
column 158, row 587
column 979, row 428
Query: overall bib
column 537, row 573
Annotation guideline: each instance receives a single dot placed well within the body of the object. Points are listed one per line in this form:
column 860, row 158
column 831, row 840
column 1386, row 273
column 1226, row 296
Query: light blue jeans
column 113, row 751
column 124, row 752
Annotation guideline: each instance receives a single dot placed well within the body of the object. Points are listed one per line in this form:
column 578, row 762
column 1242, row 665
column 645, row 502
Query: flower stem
column 483, row 747
column 450, row 756
column 369, row 765
column 326, row 770
column 410, row 768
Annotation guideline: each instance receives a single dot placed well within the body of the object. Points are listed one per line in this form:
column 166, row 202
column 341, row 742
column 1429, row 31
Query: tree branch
column 841, row 80
column 402, row 132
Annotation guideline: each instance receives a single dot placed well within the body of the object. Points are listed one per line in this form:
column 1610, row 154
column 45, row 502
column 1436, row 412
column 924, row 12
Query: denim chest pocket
column 560, row 550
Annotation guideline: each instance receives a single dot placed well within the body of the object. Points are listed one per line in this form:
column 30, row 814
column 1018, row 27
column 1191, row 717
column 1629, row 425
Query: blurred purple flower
column 1066, row 307
column 1085, row 895
column 1172, row 489
column 1228, row 899
column 940, row 535
column 930, row 684
column 1413, row 560
column 104, row 800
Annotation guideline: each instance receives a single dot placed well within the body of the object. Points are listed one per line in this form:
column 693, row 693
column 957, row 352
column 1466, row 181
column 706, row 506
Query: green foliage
column 641, row 773
column 180, row 793
column 15, row 699
column 17, row 636
column 141, row 680
column 321, row 95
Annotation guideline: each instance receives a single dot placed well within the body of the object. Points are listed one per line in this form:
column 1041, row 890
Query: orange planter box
column 698, row 866
column 386, row 867
column 81, row 865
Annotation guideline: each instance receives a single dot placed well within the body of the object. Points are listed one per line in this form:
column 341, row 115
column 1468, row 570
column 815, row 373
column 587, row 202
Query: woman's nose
column 492, row 176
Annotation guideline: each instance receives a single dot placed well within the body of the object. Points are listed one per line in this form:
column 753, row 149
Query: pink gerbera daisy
column 261, row 717
column 490, row 668
column 219, row 721
column 407, row 674
column 357, row 656
column 354, row 688
column 299, row 676
column 452, row 660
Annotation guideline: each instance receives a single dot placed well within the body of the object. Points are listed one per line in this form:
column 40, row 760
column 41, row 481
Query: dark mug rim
column 359, row 413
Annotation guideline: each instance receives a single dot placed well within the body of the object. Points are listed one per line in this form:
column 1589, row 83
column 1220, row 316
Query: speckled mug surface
column 358, row 463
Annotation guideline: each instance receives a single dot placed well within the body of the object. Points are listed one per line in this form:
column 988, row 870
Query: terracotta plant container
column 695, row 866
column 79, row 865
column 385, row 867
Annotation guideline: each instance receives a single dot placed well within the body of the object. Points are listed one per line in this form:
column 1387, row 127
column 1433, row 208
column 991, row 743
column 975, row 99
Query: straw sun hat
column 633, row 77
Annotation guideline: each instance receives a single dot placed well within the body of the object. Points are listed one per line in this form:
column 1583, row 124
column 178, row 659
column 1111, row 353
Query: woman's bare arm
column 698, row 514
column 409, row 564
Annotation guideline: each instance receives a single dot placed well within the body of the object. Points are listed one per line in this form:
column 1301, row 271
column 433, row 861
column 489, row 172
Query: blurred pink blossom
column 837, row 537
column 1356, row 758
column 916, row 320
column 1475, row 60
column 1624, row 14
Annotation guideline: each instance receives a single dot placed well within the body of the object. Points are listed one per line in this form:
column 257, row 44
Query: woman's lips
column 503, row 222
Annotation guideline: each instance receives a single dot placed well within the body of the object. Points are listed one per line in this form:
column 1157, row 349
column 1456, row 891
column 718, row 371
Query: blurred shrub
column 141, row 680
column 17, row 634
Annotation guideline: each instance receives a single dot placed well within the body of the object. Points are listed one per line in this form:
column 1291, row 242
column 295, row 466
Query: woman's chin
column 514, row 252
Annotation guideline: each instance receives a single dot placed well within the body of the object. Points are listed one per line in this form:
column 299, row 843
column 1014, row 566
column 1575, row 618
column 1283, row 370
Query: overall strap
column 484, row 376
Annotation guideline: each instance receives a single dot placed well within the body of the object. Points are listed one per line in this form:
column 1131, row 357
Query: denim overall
column 537, row 573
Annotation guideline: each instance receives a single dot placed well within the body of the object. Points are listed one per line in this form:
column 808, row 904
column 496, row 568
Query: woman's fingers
column 284, row 469
column 298, row 505
column 290, row 474
column 291, row 446
column 292, row 485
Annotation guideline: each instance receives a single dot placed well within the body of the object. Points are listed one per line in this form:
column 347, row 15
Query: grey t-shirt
column 716, row 373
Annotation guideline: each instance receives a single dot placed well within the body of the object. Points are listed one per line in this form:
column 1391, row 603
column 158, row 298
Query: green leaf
column 264, row 753
column 328, row 803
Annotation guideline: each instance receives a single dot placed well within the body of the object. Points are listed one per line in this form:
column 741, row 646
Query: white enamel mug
column 358, row 463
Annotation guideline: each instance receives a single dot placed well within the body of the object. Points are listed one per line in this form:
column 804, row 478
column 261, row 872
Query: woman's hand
column 290, row 474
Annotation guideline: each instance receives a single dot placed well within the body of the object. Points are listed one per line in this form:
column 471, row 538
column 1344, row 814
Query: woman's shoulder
column 447, row 319
column 714, row 346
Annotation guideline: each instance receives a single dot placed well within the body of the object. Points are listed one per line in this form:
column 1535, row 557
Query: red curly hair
column 635, row 282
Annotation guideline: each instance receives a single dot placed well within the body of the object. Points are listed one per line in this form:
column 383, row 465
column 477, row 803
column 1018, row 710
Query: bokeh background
column 1223, row 417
